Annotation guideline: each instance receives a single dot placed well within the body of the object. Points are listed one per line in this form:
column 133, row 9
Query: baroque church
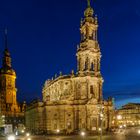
column 75, row 102
column 11, row 112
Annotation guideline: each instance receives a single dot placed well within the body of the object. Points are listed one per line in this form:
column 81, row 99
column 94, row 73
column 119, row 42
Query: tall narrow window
column 92, row 67
column 91, row 90
column 86, row 64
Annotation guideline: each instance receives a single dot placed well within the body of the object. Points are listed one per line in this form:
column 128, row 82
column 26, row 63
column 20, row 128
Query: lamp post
column 119, row 117
column 101, row 115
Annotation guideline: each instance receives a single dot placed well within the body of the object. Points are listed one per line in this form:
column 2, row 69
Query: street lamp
column 83, row 134
column 119, row 117
column 101, row 115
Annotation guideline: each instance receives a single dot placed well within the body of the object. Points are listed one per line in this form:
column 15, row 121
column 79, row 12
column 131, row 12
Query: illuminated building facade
column 127, row 115
column 11, row 112
column 75, row 102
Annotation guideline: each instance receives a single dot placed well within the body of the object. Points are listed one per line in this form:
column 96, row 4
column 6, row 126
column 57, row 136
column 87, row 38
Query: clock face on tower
column 9, row 82
column 9, row 97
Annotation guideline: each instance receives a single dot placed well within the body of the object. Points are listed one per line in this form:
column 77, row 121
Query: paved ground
column 113, row 137
column 126, row 134
column 109, row 137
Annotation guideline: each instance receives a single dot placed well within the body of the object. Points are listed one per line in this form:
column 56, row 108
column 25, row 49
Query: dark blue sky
column 43, row 36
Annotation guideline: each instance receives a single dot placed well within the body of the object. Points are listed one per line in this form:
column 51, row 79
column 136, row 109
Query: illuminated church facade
column 75, row 102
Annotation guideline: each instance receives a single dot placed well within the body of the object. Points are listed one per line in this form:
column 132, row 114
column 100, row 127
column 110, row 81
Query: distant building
column 11, row 112
column 127, row 115
column 35, row 116
column 75, row 102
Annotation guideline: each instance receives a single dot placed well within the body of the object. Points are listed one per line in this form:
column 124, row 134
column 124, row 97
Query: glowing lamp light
column 124, row 125
column 121, row 126
column 27, row 134
column 82, row 133
column 100, row 129
column 119, row 117
column 138, row 131
column 133, row 124
column 57, row 130
column 11, row 137
column 3, row 116
column 101, row 115
column 16, row 133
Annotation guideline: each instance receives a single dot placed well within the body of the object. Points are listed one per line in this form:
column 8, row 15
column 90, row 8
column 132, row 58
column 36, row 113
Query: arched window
column 86, row 64
column 92, row 67
column 92, row 91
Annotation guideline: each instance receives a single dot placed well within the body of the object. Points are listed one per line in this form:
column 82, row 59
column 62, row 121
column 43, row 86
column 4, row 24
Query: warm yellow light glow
column 133, row 124
column 120, row 126
column 101, row 115
column 3, row 116
column 11, row 138
column 27, row 134
column 124, row 125
column 119, row 117
column 82, row 133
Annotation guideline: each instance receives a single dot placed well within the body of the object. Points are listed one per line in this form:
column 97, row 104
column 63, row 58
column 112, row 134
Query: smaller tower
column 7, row 80
column 6, row 61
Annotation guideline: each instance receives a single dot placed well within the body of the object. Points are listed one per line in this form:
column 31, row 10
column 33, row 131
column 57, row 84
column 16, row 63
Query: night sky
column 43, row 37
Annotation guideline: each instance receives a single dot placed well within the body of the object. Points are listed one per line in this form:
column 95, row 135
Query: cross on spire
column 88, row 3
column 6, row 39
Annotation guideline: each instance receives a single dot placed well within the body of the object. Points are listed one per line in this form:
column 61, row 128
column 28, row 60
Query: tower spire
column 89, row 10
column 88, row 3
column 6, row 38
column 89, row 63
column 6, row 54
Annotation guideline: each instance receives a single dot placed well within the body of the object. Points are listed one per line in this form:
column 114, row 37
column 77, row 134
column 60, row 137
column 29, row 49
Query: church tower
column 7, row 82
column 88, row 52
